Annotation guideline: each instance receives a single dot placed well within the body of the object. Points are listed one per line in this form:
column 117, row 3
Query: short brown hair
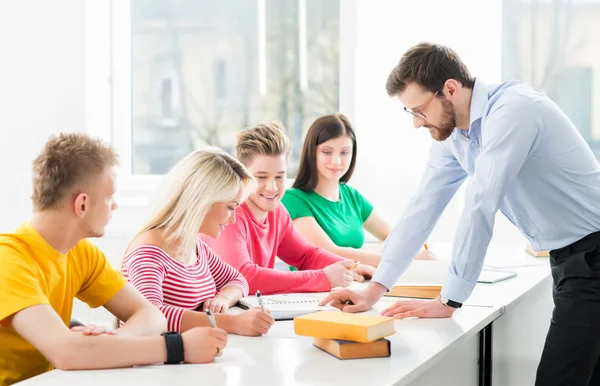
column 264, row 138
column 429, row 65
column 65, row 161
column 322, row 130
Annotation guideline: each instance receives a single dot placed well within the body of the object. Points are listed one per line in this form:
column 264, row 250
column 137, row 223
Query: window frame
column 109, row 85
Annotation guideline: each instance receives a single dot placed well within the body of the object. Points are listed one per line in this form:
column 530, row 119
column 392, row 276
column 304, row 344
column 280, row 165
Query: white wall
column 392, row 155
column 42, row 78
column 42, row 92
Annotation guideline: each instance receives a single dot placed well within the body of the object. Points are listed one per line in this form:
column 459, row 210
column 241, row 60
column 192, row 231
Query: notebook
column 287, row 306
column 491, row 276
column 344, row 326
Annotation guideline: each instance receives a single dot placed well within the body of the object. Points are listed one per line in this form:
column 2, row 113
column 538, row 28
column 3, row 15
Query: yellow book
column 344, row 349
column 344, row 326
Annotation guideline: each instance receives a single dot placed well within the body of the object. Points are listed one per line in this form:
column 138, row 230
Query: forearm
column 192, row 319
column 107, row 351
column 272, row 281
column 147, row 321
column 231, row 294
column 364, row 256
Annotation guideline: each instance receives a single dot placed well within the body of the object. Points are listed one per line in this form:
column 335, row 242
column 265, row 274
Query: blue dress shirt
column 525, row 158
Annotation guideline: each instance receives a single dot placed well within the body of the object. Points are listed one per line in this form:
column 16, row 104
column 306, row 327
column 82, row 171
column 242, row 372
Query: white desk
column 280, row 358
column 424, row 351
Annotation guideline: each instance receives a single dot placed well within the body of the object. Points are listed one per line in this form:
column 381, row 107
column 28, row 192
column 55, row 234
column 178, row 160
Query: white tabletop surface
column 282, row 358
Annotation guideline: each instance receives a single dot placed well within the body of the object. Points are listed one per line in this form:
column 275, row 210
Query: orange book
column 422, row 279
column 344, row 349
column 344, row 326
column 415, row 291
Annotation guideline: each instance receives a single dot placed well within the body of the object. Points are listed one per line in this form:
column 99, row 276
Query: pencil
column 426, row 247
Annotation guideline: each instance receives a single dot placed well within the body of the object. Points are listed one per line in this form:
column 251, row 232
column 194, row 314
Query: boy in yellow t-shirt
column 47, row 262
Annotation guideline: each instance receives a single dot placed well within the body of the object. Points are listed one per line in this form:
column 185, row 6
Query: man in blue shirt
column 525, row 158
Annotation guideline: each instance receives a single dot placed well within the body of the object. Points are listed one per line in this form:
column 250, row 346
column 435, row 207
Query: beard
column 447, row 124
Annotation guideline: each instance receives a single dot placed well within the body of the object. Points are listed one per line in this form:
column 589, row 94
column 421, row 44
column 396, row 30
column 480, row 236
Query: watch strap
column 174, row 343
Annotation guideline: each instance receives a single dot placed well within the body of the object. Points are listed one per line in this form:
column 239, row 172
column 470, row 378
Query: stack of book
column 347, row 336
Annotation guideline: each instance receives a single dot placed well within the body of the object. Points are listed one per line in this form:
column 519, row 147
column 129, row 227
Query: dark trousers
column 572, row 349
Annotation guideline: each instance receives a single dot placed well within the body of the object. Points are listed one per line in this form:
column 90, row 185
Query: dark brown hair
column 67, row 160
column 429, row 65
column 322, row 130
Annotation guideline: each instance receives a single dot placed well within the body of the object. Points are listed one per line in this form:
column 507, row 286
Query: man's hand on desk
column 349, row 300
column 419, row 308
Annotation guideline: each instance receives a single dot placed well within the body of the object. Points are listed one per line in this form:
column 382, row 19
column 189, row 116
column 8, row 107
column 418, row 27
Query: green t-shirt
column 342, row 220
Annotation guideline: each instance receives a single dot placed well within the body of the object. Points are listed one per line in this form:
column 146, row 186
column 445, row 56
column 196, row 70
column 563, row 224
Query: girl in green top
column 325, row 210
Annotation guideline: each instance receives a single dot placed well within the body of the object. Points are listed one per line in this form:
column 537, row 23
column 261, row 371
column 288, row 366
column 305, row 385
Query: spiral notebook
column 287, row 306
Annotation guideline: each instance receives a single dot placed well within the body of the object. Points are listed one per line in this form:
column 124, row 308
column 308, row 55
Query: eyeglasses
column 419, row 112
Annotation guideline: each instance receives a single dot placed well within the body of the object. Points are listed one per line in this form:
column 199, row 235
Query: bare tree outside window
column 553, row 46
column 197, row 77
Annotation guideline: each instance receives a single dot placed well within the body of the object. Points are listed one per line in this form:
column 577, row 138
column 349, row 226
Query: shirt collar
column 479, row 100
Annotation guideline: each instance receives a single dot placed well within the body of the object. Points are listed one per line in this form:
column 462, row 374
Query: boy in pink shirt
column 264, row 230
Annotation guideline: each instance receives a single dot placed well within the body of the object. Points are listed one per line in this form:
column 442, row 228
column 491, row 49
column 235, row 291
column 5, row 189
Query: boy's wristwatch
column 449, row 303
column 175, row 352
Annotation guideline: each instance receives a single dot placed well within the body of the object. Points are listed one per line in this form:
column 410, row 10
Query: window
column 551, row 44
column 202, row 70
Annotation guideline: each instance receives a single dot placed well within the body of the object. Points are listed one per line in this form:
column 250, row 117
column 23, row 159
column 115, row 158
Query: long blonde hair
column 198, row 181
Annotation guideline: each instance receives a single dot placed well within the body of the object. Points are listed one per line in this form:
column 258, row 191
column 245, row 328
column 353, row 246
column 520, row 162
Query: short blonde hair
column 66, row 161
column 201, row 179
column 265, row 139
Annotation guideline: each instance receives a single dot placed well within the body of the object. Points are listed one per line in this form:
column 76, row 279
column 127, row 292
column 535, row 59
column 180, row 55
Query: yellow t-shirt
column 31, row 273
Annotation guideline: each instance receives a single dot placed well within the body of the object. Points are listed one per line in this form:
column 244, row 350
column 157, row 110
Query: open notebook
column 287, row 306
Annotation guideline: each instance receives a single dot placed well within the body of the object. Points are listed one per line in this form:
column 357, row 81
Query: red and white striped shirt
column 175, row 287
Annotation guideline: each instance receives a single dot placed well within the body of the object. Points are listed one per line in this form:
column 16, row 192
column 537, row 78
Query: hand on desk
column 216, row 305
column 203, row 344
column 92, row 329
column 339, row 274
column 349, row 300
column 431, row 308
column 253, row 322
column 363, row 272
column 426, row 255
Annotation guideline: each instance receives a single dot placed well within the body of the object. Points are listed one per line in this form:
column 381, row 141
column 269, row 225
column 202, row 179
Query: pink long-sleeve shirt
column 251, row 248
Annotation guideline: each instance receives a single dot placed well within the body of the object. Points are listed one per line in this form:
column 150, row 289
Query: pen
column 260, row 301
column 213, row 322
column 211, row 318
column 426, row 247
